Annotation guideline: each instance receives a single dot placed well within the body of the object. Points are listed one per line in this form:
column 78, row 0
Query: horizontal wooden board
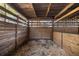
column 9, row 34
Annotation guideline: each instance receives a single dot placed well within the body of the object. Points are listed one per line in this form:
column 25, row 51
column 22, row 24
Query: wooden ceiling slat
column 56, row 8
column 63, row 10
column 28, row 9
column 41, row 9
column 48, row 9
column 34, row 11
column 68, row 14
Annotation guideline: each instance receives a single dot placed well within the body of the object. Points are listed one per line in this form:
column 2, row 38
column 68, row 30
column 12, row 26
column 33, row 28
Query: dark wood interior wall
column 21, row 34
column 11, row 35
column 70, row 42
column 67, row 39
column 65, row 29
column 40, row 32
column 7, row 37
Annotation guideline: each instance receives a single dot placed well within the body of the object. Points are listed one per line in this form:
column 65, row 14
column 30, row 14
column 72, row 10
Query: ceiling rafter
column 48, row 9
column 63, row 10
column 71, row 12
column 34, row 10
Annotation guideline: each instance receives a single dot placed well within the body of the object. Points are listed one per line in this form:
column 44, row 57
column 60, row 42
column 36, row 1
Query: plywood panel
column 71, row 43
column 40, row 33
column 57, row 38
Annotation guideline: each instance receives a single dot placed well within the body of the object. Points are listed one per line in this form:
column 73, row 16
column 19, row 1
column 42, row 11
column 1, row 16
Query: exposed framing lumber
column 16, row 28
column 48, row 9
column 34, row 10
column 71, row 12
column 13, row 10
column 63, row 10
column 10, row 12
column 10, row 18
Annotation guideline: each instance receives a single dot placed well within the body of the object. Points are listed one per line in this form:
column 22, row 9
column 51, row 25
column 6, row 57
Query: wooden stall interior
column 50, row 27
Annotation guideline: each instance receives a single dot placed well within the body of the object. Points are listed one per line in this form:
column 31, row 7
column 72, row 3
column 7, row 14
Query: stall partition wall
column 66, row 35
column 13, row 29
column 40, row 28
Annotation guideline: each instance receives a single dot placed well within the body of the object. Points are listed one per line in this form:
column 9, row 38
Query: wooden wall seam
column 69, row 42
column 16, row 34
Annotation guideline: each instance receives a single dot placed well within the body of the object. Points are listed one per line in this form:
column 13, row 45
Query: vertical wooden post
column 78, row 27
column 52, row 28
column 78, row 23
column 5, row 13
column 62, row 35
column 28, row 31
column 16, row 34
column 62, row 40
column 5, row 18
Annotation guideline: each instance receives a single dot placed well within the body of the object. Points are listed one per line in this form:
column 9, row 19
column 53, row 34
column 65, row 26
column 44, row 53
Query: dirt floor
column 40, row 48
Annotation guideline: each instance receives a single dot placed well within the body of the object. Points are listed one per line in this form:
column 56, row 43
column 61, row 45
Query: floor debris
column 40, row 48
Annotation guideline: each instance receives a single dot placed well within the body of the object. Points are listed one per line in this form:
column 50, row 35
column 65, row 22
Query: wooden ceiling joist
column 63, row 10
column 34, row 10
column 68, row 14
column 48, row 9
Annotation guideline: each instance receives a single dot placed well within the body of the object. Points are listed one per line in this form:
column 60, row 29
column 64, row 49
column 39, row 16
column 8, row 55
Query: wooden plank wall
column 63, row 27
column 12, row 33
column 40, row 29
column 7, row 37
column 40, row 33
column 70, row 42
column 57, row 38
column 21, row 34
column 8, row 40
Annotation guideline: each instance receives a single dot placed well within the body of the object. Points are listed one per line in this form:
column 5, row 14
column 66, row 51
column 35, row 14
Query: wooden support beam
column 48, row 9
column 63, row 10
column 71, row 12
column 7, row 17
column 16, row 27
column 9, row 10
column 14, row 12
column 34, row 10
